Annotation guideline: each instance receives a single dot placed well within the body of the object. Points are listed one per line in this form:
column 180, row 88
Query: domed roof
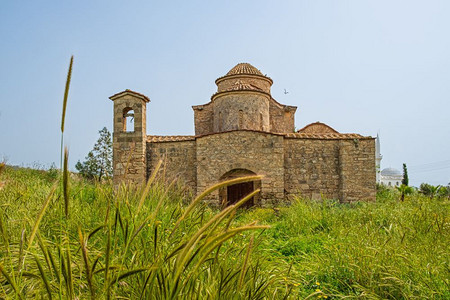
column 244, row 68
column 391, row 172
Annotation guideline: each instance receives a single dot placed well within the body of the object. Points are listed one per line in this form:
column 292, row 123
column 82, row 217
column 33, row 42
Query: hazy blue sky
column 360, row 66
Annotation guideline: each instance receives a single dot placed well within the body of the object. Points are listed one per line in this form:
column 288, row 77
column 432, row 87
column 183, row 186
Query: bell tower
column 129, row 137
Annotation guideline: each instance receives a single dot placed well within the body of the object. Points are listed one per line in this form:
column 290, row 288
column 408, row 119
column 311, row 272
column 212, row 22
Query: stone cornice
column 243, row 91
column 307, row 136
column 131, row 93
column 255, row 76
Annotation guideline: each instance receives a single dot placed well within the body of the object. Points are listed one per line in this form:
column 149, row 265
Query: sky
column 369, row 67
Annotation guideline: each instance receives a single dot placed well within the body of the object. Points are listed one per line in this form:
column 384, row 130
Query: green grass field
column 152, row 244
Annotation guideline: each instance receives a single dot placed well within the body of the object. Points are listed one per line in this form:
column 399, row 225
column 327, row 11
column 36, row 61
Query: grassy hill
column 151, row 244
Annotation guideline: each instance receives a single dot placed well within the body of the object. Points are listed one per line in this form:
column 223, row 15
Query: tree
column 444, row 191
column 429, row 190
column 404, row 190
column 405, row 179
column 98, row 163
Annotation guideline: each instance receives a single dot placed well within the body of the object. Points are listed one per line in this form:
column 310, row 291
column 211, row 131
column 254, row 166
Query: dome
column 244, row 68
column 391, row 172
column 244, row 77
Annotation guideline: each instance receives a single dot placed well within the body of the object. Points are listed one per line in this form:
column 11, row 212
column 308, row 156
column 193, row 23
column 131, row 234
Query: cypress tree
column 405, row 179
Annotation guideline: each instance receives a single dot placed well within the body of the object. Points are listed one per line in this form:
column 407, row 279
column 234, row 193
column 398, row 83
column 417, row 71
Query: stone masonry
column 244, row 131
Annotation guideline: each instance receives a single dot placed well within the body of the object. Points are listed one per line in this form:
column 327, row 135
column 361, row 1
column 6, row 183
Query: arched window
column 128, row 119
column 261, row 124
column 241, row 119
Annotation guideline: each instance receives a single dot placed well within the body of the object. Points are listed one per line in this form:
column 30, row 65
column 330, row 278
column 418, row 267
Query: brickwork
column 281, row 117
column 228, row 83
column 203, row 119
column 129, row 148
column 241, row 110
column 357, row 170
column 312, row 168
column 260, row 153
column 179, row 161
column 317, row 128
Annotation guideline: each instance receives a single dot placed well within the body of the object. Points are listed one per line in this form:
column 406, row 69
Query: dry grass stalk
column 40, row 215
column 66, row 182
column 212, row 189
column 84, row 252
column 244, row 265
column 66, row 93
column 147, row 187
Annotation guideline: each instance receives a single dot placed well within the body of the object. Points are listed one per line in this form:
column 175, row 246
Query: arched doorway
column 231, row 194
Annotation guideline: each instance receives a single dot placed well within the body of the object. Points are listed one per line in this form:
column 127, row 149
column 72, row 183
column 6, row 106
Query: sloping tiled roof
column 244, row 68
column 317, row 127
column 127, row 91
column 243, row 86
column 316, row 136
column 169, row 138
column 325, row 136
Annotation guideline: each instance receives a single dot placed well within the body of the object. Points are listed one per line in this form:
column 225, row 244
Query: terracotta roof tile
column 317, row 127
column 326, row 136
column 244, row 68
column 169, row 138
column 127, row 91
column 317, row 136
column 241, row 86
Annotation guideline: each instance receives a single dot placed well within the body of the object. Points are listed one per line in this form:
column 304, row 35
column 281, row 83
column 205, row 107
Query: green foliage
column 381, row 250
column 404, row 190
column 110, row 245
column 429, row 190
column 444, row 191
column 98, row 163
column 405, row 180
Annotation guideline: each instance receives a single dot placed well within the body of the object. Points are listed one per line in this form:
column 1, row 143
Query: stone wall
column 129, row 151
column 312, row 168
column 281, row 117
column 241, row 110
column 341, row 169
column 258, row 152
column 203, row 119
column 179, row 161
column 357, row 170
column 229, row 82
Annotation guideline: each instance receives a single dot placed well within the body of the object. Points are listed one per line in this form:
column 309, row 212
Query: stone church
column 244, row 131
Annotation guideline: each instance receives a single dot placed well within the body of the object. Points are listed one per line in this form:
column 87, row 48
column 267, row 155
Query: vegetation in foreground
column 151, row 244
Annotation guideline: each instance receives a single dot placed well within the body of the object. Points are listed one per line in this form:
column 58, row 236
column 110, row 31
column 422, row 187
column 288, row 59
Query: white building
column 387, row 176
column 378, row 158
column 391, row 177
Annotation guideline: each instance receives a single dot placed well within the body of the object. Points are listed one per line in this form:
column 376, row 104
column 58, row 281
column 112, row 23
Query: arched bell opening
column 128, row 119
column 232, row 194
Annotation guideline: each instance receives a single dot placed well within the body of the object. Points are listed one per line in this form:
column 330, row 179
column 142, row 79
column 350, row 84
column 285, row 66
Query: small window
column 241, row 119
column 128, row 119
column 261, row 121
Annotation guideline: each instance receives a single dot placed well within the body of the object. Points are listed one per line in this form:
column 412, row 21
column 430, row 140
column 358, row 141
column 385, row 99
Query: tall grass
column 382, row 250
column 122, row 252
